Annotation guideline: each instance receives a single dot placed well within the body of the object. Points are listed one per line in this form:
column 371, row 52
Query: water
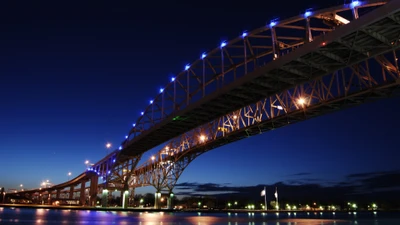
column 65, row 216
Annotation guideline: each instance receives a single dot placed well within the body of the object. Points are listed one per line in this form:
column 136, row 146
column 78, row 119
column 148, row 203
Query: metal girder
column 341, row 89
column 238, row 59
column 377, row 36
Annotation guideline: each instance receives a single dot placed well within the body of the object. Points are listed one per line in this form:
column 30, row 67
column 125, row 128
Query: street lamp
column 21, row 187
column 108, row 146
column 69, row 175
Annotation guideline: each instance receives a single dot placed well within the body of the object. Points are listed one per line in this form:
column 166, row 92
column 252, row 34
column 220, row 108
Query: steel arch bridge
column 279, row 74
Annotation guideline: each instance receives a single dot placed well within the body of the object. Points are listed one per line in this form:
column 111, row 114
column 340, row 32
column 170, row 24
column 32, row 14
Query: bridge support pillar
column 82, row 197
column 125, row 198
column 157, row 200
column 104, row 198
column 49, row 198
column 58, row 192
column 169, row 201
column 71, row 192
column 93, row 190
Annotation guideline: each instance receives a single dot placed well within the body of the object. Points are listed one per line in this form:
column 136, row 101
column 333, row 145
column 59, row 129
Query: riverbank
column 185, row 210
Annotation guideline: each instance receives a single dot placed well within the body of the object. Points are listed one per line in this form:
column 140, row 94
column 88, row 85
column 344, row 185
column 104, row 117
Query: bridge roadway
column 344, row 46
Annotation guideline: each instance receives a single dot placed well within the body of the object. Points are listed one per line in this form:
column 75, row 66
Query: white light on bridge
column 244, row 34
column 187, row 66
column 355, row 4
column 108, row 145
column 126, row 136
column 172, row 79
column 204, row 55
column 223, row 44
column 272, row 24
column 307, row 14
column 134, row 125
column 153, row 157
column 151, row 101
column 279, row 107
column 120, row 148
column 341, row 19
column 142, row 113
column 161, row 90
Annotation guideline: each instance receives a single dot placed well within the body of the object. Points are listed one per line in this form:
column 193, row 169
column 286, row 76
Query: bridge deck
column 370, row 35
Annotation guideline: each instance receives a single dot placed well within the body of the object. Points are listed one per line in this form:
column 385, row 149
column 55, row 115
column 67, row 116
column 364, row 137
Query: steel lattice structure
column 347, row 61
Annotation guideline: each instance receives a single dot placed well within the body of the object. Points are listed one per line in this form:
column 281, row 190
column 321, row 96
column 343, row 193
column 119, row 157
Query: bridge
column 285, row 72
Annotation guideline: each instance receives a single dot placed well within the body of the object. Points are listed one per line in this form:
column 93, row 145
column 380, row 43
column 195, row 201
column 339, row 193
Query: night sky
column 75, row 75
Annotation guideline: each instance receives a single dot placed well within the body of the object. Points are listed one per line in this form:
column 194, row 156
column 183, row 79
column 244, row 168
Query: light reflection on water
column 29, row 216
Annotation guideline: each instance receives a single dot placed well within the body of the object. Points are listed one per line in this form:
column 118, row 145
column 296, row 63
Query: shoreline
column 186, row 210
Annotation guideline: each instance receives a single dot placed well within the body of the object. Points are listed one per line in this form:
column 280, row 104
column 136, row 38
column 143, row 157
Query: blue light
column 98, row 173
column 134, row 125
column 142, row 113
column 120, row 148
column 354, row 4
column 113, row 160
column 109, row 172
column 172, row 79
column 161, row 90
column 307, row 14
column 223, row 44
column 151, row 101
column 126, row 137
column 244, row 34
column 203, row 55
column 272, row 24
column 187, row 66
column 95, row 171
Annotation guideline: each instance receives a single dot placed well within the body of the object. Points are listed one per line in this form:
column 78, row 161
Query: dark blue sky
column 74, row 76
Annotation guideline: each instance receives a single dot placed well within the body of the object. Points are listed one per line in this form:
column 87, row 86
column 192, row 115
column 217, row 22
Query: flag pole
column 265, row 199
column 276, row 196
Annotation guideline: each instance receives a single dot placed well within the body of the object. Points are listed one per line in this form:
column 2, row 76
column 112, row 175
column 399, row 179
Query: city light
column 203, row 55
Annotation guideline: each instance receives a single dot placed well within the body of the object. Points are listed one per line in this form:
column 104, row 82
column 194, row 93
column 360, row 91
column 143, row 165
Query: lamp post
column 108, row 146
column 69, row 175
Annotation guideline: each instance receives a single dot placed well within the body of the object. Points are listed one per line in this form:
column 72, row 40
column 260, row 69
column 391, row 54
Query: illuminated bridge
column 285, row 72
